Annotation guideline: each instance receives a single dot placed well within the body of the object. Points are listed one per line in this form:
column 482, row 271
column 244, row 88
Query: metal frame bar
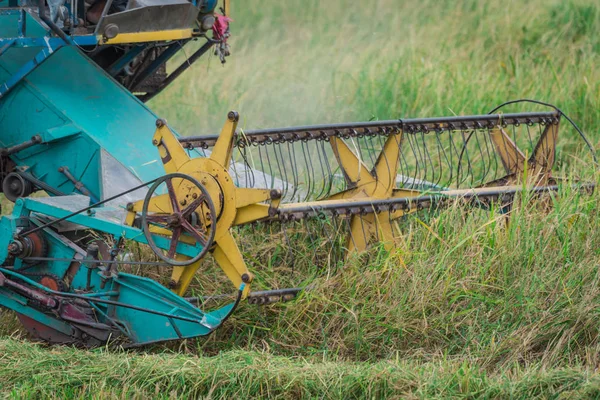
column 409, row 126
column 181, row 69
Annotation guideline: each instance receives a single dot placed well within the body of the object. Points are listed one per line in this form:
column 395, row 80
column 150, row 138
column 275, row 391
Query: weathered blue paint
column 125, row 288
column 98, row 130
column 82, row 113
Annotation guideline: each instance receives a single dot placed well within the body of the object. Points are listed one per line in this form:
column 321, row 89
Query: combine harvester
column 75, row 126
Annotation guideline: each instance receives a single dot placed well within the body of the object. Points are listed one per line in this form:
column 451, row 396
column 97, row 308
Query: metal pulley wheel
column 187, row 217
column 15, row 186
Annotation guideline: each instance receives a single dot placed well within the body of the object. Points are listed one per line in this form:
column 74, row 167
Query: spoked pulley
column 184, row 214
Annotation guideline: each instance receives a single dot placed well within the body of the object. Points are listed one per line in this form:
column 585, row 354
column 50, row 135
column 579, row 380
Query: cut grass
column 31, row 371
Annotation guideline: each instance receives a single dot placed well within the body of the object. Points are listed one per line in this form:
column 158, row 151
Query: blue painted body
column 103, row 135
column 139, row 327
column 83, row 116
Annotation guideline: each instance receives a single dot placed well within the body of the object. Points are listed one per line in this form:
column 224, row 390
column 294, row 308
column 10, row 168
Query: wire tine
column 309, row 177
column 427, row 158
column 467, row 157
column 415, row 176
column 322, row 170
column 480, row 159
column 447, row 166
column 328, row 172
column 294, row 168
column 282, row 169
column 487, row 157
column 262, row 166
column 403, row 164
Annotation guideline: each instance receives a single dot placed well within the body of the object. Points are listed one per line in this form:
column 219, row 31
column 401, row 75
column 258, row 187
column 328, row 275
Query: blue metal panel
column 69, row 93
column 25, row 70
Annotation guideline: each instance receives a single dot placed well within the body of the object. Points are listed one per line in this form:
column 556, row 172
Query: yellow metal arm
column 233, row 205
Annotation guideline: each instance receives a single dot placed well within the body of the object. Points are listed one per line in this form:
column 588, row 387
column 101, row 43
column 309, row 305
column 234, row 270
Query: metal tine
column 369, row 148
column 514, row 134
column 328, row 174
column 272, row 172
column 428, row 158
column 453, row 159
column 459, row 159
column 324, row 175
column 396, row 162
column 494, row 157
column 339, row 227
column 467, row 158
column 250, row 167
column 294, row 167
column 449, row 166
column 488, row 156
column 237, row 157
column 531, row 145
column 381, row 144
column 402, row 164
column 348, row 222
column 420, row 162
column 262, row 165
column 415, row 174
column 362, row 225
column 308, row 165
column 281, row 168
column 479, row 159
column 403, row 167
column 439, row 164
column 392, row 223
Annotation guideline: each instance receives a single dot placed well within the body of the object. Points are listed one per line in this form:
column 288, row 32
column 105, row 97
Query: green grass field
column 469, row 306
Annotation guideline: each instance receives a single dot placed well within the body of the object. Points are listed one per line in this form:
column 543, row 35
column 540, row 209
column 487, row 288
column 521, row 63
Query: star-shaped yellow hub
column 377, row 184
column 232, row 205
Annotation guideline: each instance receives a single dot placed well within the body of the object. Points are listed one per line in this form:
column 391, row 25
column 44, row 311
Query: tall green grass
column 471, row 304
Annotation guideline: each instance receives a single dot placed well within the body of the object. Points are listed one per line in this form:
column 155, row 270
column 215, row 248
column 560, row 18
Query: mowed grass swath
column 472, row 303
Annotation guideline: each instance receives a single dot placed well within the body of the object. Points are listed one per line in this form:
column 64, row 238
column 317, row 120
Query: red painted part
column 50, row 283
column 43, row 332
column 221, row 26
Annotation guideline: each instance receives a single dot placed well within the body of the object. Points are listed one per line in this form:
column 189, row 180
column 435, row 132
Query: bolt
column 173, row 284
column 183, row 202
column 233, row 116
column 194, row 196
column 14, row 248
column 129, row 206
column 155, row 142
column 160, row 123
column 246, row 278
column 203, row 181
